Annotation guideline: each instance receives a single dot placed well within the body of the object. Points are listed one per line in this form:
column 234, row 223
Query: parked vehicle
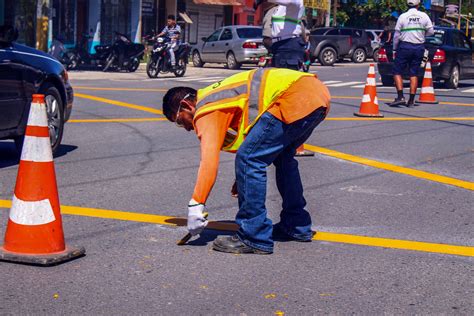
column 63, row 55
column 124, row 54
column 375, row 42
column 25, row 71
column 451, row 54
column 233, row 45
column 331, row 44
column 159, row 61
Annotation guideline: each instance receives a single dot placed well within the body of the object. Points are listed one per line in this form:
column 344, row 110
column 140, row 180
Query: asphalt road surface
column 391, row 200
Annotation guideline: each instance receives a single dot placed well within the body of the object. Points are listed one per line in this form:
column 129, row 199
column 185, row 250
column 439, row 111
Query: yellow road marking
column 394, row 168
column 118, row 120
column 320, row 236
column 384, row 99
column 118, row 89
column 154, row 119
column 119, row 103
column 399, row 119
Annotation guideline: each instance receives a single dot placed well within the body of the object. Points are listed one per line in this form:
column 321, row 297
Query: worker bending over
column 263, row 115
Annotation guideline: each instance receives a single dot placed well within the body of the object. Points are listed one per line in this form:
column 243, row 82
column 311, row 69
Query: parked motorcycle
column 159, row 61
column 80, row 56
column 63, row 55
column 124, row 54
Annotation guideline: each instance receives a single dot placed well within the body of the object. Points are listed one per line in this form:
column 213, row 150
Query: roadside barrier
column 427, row 94
column 369, row 107
column 34, row 233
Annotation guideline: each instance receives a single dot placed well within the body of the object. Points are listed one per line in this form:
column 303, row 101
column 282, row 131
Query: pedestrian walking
column 408, row 49
column 262, row 115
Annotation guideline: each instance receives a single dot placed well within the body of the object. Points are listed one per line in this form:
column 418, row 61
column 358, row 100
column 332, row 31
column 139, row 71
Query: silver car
column 233, row 45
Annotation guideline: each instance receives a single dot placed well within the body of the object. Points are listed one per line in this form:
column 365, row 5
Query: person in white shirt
column 409, row 49
column 287, row 45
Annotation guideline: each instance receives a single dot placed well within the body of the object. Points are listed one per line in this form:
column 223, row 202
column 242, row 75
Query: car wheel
column 387, row 81
column 55, row 112
column 327, row 56
column 197, row 61
column 359, row 56
column 453, row 81
column 376, row 55
column 232, row 61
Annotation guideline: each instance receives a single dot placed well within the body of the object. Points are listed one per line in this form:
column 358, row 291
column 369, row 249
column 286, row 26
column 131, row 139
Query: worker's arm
column 396, row 35
column 211, row 130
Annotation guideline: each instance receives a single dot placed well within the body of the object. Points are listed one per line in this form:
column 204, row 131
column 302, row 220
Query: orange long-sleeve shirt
column 299, row 100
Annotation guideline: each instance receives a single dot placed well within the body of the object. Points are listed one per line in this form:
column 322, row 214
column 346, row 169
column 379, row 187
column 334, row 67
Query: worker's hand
column 233, row 191
column 196, row 220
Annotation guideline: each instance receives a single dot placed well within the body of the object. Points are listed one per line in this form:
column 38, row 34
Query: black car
column 329, row 44
column 25, row 71
column 451, row 54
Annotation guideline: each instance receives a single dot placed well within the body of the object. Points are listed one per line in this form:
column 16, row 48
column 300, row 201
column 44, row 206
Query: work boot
column 232, row 244
column 411, row 104
column 397, row 102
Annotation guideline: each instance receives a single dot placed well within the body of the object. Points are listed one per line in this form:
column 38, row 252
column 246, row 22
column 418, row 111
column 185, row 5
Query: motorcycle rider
column 173, row 32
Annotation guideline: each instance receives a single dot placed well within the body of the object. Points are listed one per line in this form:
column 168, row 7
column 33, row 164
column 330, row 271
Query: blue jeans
column 272, row 141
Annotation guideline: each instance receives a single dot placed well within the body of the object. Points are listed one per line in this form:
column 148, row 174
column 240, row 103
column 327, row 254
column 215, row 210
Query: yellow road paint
column 409, row 119
column 118, row 89
column 394, row 168
column 319, row 236
column 388, row 100
column 119, row 103
column 118, row 120
column 399, row 119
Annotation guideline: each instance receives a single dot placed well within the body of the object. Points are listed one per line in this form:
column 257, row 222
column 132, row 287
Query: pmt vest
column 251, row 93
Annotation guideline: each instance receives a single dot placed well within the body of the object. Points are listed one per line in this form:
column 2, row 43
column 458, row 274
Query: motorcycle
column 124, row 54
column 159, row 61
column 80, row 56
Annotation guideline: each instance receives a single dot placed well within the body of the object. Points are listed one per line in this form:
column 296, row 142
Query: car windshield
column 437, row 39
column 249, row 32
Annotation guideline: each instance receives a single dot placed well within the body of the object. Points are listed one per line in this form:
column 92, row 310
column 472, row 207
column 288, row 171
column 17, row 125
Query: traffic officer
column 287, row 45
column 408, row 49
column 262, row 115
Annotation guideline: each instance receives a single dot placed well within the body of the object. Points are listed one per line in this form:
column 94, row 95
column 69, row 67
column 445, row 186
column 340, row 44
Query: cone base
column 304, row 153
column 42, row 260
column 367, row 115
column 427, row 102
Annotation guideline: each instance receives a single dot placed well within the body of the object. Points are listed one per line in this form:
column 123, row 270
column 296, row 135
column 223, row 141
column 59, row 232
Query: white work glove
column 196, row 220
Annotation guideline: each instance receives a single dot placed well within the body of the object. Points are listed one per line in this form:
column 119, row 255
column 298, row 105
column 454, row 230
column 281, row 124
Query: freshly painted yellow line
column 394, row 168
column 320, row 236
column 118, row 89
column 384, row 99
column 119, row 103
column 399, row 119
column 118, row 120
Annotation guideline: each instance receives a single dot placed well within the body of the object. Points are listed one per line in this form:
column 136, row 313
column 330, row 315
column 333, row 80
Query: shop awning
column 220, row 2
column 185, row 17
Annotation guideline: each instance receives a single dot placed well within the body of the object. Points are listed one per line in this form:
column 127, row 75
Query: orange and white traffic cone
column 34, row 232
column 369, row 107
column 427, row 94
column 301, row 152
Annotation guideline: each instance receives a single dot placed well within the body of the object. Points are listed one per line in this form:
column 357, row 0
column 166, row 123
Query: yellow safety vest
column 252, row 92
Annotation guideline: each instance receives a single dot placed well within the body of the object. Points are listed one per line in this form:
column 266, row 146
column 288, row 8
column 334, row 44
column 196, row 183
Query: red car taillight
column 439, row 56
column 250, row 45
column 383, row 56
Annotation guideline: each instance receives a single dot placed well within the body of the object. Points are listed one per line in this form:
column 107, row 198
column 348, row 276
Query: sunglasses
column 189, row 95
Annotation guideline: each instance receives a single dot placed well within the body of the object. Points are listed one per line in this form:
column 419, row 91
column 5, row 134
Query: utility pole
column 334, row 13
column 459, row 15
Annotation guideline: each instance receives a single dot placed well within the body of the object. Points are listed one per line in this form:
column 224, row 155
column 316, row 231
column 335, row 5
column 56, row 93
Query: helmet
column 413, row 3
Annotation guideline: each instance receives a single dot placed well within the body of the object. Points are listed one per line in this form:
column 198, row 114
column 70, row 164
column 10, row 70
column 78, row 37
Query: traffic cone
column 34, row 232
column 301, row 152
column 369, row 107
column 427, row 94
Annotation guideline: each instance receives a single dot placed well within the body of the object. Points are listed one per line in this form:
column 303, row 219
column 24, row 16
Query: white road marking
column 344, row 84
column 468, row 90
column 330, row 81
